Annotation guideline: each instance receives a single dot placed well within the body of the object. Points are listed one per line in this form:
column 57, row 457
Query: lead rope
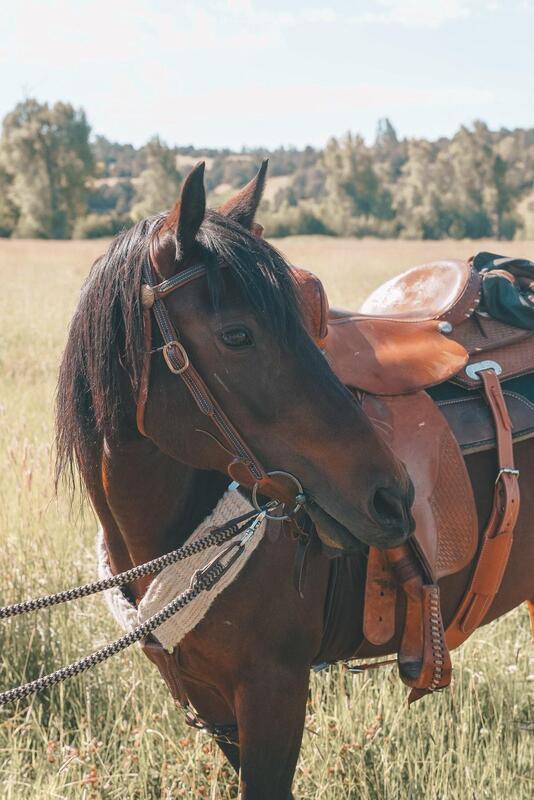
column 215, row 537
column 202, row 580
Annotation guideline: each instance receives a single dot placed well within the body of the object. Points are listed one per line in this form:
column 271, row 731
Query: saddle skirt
column 446, row 532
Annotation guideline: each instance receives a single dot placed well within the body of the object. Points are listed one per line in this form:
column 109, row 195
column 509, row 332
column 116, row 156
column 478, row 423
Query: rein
column 203, row 580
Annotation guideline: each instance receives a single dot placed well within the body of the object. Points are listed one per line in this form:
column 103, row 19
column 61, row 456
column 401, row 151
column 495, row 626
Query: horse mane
column 105, row 338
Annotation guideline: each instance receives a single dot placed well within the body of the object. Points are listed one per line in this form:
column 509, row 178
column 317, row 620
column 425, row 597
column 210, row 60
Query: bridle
column 245, row 468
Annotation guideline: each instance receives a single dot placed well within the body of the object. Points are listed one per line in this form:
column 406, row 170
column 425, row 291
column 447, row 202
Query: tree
column 506, row 223
column 116, row 160
column 159, row 183
column 389, row 153
column 457, row 188
column 355, row 196
column 386, row 135
column 416, row 199
column 474, row 176
column 8, row 212
column 45, row 153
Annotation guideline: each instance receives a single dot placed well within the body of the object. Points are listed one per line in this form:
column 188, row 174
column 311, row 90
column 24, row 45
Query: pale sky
column 265, row 73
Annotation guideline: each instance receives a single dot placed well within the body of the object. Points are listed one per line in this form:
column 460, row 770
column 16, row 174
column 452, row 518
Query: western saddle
column 428, row 364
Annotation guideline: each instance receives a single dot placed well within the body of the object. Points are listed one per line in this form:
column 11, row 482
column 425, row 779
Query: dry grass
column 113, row 733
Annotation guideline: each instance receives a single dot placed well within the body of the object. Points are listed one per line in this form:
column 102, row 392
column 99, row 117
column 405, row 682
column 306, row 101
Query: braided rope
column 215, row 537
column 201, row 582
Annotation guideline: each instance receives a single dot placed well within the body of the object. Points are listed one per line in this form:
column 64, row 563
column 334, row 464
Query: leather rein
column 245, row 468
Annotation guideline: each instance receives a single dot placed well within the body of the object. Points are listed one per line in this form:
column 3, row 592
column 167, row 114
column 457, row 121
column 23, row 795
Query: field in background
column 114, row 734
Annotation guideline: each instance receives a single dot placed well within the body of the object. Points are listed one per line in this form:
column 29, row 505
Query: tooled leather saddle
column 438, row 377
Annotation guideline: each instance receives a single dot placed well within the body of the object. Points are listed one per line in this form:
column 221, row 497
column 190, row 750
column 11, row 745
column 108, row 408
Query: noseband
column 244, row 467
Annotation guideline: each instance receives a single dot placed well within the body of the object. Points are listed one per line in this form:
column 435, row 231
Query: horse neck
column 148, row 503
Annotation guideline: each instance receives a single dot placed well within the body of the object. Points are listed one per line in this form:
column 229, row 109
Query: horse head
column 246, row 334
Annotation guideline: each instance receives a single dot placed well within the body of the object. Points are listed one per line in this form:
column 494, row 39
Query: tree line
column 56, row 181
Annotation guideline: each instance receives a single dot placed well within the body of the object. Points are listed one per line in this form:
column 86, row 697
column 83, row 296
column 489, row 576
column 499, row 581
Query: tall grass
column 114, row 732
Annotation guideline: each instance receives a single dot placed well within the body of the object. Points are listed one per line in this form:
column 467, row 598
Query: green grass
column 114, row 732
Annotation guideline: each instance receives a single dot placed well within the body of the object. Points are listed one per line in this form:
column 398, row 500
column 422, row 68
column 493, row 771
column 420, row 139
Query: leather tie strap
column 380, row 598
column 498, row 535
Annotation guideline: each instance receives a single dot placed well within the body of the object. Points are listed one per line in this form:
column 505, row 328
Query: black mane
column 106, row 333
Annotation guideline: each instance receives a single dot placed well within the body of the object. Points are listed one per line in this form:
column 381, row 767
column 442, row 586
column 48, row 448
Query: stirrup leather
column 498, row 535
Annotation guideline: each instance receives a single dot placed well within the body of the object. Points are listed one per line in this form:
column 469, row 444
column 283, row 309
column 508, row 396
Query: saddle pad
column 446, row 534
column 176, row 578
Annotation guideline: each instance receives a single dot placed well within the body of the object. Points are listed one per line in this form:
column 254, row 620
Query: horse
column 155, row 425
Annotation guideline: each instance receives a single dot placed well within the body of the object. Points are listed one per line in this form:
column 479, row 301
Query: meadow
column 113, row 733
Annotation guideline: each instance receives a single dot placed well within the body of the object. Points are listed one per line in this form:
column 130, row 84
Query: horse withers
column 188, row 362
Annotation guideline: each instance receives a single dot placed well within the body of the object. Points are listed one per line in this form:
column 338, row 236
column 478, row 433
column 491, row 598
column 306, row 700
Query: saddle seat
column 397, row 343
column 444, row 290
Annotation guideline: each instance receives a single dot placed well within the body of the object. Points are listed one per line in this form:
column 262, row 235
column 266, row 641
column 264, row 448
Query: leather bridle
column 245, row 468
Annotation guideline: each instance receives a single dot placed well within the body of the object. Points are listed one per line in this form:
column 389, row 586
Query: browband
column 149, row 294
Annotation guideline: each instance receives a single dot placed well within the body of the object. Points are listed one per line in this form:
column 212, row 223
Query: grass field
column 114, row 733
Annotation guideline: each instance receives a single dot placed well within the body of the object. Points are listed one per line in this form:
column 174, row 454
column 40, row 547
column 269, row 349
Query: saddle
column 428, row 364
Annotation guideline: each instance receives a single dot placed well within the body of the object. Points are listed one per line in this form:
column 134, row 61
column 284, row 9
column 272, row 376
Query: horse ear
column 186, row 217
column 243, row 206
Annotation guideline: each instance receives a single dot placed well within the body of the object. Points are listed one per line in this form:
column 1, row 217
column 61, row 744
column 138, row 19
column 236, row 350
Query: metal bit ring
column 300, row 497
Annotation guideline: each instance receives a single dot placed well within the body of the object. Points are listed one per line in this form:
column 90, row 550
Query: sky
column 234, row 73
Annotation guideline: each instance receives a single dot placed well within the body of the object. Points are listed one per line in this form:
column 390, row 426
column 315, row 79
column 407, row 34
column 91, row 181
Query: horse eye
column 236, row 338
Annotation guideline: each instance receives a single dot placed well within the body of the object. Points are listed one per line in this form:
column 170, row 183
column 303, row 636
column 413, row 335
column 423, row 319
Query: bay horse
column 245, row 669
column 154, row 465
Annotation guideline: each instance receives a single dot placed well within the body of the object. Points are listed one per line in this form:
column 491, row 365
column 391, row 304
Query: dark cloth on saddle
column 502, row 299
column 470, row 419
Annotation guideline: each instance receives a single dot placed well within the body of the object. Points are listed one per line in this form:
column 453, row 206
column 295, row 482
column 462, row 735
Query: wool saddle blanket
column 176, row 578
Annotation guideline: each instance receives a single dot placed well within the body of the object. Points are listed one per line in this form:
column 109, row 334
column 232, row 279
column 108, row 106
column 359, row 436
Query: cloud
column 59, row 32
column 233, row 71
column 432, row 14
column 291, row 99
column 415, row 13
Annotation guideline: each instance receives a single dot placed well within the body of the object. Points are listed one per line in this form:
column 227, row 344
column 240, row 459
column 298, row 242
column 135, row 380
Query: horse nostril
column 388, row 509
